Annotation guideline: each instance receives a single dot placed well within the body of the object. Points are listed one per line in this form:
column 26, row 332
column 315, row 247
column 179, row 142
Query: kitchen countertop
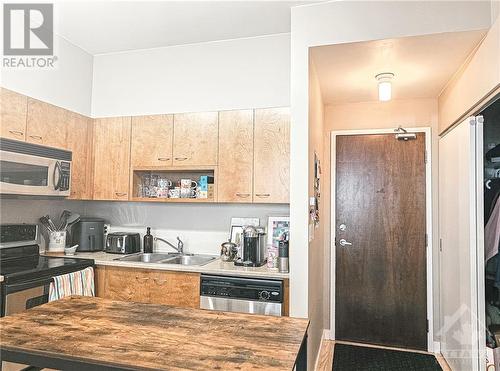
column 82, row 331
column 215, row 267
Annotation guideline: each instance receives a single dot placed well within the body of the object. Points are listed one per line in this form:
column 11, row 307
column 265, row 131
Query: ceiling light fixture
column 384, row 86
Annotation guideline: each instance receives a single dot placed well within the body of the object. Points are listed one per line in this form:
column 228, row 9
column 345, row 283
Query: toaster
column 123, row 243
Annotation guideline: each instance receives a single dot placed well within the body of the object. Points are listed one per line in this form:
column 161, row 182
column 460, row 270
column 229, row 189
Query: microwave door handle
column 57, row 169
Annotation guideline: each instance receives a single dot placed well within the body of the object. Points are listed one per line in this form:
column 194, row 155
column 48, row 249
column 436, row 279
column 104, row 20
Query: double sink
column 170, row 258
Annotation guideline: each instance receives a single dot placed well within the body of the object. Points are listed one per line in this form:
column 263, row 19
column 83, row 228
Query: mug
column 174, row 192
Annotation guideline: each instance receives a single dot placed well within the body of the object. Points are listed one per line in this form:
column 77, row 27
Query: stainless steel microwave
column 31, row 169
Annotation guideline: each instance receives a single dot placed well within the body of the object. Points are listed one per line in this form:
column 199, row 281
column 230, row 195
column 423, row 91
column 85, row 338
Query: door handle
column 343, row 242
column 163, row 158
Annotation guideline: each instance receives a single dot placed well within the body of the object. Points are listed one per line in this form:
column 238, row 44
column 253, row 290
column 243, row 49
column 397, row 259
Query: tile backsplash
column 202, row 227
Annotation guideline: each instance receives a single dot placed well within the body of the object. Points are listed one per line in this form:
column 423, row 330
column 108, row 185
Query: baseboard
column 328, row 334
column 323, row 338
column 437, row 347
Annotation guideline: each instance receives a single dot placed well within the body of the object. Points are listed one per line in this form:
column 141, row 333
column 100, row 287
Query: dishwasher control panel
column 242, row 288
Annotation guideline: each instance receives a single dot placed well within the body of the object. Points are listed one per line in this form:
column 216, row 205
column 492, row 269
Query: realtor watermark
column 28, row 36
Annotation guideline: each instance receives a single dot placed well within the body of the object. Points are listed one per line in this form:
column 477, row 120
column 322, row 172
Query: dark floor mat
column 357, row 358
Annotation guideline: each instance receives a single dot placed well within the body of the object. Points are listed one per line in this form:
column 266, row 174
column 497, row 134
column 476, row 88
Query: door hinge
column 426, row 240
column 427, row 325
column 425, row 156
column 440, row 245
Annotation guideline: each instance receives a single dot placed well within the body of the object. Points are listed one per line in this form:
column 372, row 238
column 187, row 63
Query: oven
column 31, row 169
column 21, row 296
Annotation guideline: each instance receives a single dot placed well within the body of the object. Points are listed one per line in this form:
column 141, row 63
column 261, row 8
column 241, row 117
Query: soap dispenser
column 148, row 241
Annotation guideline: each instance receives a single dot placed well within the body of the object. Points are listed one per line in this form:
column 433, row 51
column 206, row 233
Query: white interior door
column 459, row 153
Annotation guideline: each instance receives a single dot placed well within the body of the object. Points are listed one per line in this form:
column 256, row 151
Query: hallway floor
column 325, row 362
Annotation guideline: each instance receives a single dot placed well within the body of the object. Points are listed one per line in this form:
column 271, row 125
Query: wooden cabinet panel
column 79, row 142
column 195, row 138
column 272, row 155
column 111, row 158
column 127, row 284
column 152, row 138
column 181, row 289
column 46, row 124
column 235, row 156
column 13, row 109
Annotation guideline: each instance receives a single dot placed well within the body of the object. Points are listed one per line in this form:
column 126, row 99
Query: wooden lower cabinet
column 181, row 289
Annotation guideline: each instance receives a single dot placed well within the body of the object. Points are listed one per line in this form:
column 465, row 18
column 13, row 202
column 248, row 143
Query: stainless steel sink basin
column 145, row 258
column 190, row 259
column 170, row 258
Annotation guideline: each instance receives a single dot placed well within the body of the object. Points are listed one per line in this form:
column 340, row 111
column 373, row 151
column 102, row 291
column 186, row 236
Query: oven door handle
column 15, row 287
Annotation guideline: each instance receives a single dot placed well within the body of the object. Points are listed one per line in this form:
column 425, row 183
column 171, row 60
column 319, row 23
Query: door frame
column 429, row 220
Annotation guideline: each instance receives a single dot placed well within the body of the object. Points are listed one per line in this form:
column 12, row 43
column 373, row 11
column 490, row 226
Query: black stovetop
column 18, row 264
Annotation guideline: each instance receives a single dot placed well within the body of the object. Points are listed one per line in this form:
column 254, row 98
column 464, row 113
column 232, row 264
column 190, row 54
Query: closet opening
column 491, row 160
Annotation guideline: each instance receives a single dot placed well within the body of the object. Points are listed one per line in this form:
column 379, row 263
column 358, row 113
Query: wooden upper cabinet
column 13, row 109
column 111, row 154
column 46, row 124
column 79, row 142
column 195, row 138
column 272, row 155
column 235, row 172
column 152, row 138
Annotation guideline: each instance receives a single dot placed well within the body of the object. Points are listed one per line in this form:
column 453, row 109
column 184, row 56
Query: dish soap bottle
column 148, row 241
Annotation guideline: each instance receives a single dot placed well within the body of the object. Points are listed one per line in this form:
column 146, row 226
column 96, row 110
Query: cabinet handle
column 243, row 195
column 142, row 278
column 159, row 282
column 16, row 132
column 263, row 194
column 120, row 194
column 181, row 158
column 36, row 137
column 163, row 158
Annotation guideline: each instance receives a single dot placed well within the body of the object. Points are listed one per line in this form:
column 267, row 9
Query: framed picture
column 276, row 227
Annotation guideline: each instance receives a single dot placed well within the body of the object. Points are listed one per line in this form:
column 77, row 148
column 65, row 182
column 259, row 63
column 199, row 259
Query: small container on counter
column 272, row 257
column 283, row 263
column 228, row 251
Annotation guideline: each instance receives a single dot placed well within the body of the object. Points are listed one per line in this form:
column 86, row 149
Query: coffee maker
column 254, row 247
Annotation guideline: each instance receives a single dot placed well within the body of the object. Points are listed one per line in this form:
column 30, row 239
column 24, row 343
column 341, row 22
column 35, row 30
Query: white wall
column 68, row 85
column 222, row 75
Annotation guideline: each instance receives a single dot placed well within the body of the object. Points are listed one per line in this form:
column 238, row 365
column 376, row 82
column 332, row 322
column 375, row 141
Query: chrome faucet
column 180, row 245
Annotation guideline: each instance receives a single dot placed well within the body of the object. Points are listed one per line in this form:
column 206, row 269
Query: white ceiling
column 113, row 26
column 422, row 65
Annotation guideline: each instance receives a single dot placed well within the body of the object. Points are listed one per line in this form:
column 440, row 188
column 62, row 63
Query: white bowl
column 70, row 250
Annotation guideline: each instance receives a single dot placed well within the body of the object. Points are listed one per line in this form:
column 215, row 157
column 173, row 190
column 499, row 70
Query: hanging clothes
column 492, row 233
column 491, row 193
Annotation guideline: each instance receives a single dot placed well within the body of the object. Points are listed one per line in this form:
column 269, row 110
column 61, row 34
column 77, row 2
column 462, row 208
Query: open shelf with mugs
column 174, row 184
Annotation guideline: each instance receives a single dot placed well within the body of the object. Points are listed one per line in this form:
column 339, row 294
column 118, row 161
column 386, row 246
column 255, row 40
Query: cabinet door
column 195, row 138
column 235, row 173
column 181, row 289
column 152, row 140
column 111, row 158
column 79, row 142
column 126, row 284
column 46, row 124
column 272, row 155
column 13, row 115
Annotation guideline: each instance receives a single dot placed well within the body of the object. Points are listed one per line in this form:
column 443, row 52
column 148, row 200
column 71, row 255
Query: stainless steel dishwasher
column 243, row 295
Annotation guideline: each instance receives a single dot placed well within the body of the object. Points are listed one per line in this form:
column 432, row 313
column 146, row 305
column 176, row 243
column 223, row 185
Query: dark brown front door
column 380, row 287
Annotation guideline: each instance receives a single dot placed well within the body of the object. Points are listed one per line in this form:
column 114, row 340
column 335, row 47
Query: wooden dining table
column 88, row 333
